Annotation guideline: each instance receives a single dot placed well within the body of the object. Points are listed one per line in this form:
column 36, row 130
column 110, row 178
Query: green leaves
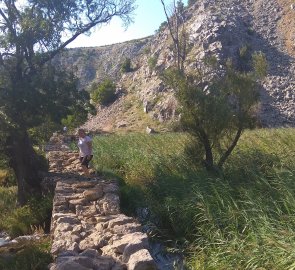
column 217, row 104
column 104, row 93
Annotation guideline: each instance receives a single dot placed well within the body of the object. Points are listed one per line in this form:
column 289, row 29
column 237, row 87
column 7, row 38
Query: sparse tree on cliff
column 32, row 33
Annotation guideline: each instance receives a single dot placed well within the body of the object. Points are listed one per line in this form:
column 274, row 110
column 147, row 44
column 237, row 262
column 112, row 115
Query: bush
column 147, row 50
column 74, row 120
column 126, row 66
column 152, row 62
column 105, row 92
column 41, row 134
column 162, row 26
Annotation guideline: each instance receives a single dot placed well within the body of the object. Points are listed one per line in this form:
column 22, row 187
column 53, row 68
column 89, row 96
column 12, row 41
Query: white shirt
column 85, row 150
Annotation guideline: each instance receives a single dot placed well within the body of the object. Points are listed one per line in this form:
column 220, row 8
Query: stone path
column 87, row 228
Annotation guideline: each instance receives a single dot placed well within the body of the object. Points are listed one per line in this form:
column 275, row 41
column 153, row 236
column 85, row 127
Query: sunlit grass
column 242, row 219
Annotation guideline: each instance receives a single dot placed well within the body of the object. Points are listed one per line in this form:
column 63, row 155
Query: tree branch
column 230, row 148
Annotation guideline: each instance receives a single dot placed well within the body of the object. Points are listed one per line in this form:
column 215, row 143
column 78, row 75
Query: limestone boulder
column 141, row 260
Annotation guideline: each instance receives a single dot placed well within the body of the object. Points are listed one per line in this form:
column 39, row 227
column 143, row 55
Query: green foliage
column 7, row 178
column 104, row 93
column 74, row 120
column 7, row 201
column 162, row 26
column 216, row 111
column 126, row 152
column 152, row 62
column 23, row 220
column 243, row 219
column 260, row 64
column 243, row 52
column 35, row 256
column 41, row 134
column 126, row 66
column 244, row 60
column 32, row 34
column 147, row 50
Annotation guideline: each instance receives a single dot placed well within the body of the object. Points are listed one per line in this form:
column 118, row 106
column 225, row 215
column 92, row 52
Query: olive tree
column 32, row 33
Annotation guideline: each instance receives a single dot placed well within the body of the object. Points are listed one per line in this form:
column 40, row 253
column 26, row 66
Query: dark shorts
column 85, row 161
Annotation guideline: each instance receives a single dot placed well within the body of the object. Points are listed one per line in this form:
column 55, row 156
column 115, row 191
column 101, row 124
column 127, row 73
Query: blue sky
column 147, row 18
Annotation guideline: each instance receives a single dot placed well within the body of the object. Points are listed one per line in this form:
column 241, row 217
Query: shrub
column 74, row 120
column 147, row 50
column 162, row 26
column 105, row 93
column 126, row 66
column 152, row 62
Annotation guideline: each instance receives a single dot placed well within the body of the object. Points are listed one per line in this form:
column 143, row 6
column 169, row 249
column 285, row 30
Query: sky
column 148, row 16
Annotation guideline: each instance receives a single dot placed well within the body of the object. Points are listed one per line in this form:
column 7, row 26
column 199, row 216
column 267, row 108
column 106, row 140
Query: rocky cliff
column 215, row 27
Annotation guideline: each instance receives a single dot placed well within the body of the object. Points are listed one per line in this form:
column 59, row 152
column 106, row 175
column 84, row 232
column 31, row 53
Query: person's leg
column 85, row 163
column 85, row 170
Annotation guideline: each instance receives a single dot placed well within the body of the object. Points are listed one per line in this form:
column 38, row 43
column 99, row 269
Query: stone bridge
column 88, row 231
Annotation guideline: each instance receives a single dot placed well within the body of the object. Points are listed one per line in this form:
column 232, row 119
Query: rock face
column 94, row 64
column 87, row 228
column 222, row 29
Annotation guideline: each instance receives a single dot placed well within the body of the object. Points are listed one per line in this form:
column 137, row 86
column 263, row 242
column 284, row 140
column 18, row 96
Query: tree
column 175, row 21
column 215, row 110
column 126, row 65
column 32, row 33
column 104, row 93
column 217, row 103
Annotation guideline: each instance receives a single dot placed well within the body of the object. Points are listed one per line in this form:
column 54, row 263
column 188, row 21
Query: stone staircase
column 87, row 228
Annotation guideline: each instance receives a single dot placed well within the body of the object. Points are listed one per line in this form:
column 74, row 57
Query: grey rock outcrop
column 222, row 29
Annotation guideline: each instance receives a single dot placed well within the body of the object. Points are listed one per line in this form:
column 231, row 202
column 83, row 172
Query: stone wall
column 87, row 228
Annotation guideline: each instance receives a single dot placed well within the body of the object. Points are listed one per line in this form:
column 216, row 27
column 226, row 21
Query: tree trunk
column 209, row 161
column 25, row 163
column 230, row 149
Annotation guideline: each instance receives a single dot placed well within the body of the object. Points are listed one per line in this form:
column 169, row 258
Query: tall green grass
column 23, row 220
column 242, row 219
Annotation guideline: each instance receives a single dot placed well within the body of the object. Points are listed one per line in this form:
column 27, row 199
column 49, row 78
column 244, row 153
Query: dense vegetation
column 32, row 33
column 242, row 219
column 35, row 216
column 103, row 93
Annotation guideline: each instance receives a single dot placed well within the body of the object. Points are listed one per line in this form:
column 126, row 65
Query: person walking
column 85, row 150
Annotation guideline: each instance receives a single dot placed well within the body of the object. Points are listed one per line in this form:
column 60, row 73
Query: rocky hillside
column 93, row 64
column 216, row 27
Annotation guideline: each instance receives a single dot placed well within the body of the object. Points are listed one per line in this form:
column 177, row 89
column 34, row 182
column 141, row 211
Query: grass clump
column 33, row 257
column 26, row 219
column 242, row 219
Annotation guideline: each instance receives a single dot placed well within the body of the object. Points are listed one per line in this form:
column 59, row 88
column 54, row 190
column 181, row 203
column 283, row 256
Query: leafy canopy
column 104, row 93
column 32, row 88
